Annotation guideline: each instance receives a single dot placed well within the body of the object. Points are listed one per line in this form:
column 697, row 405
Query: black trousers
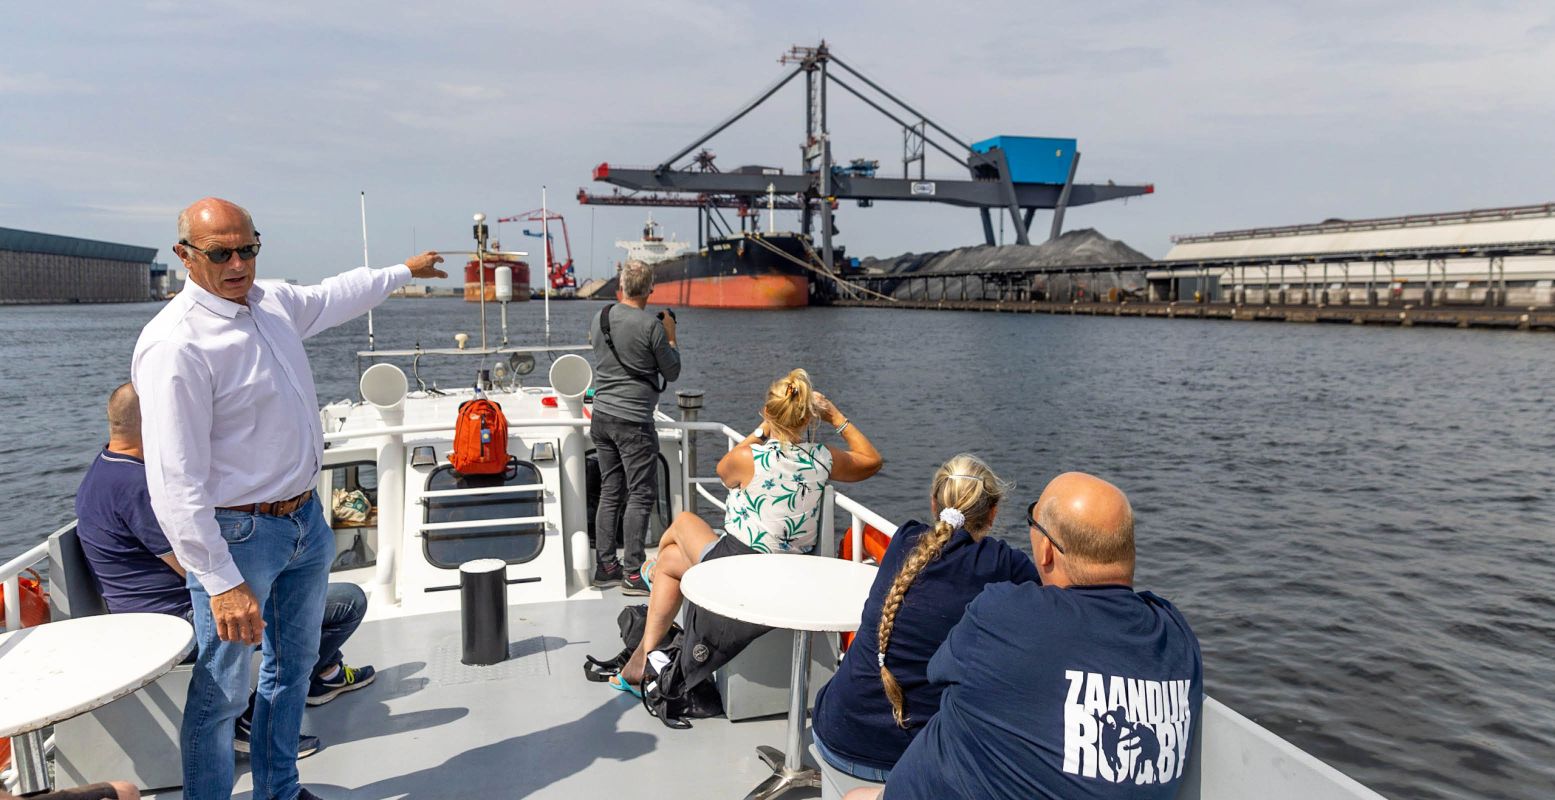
column 628, row 455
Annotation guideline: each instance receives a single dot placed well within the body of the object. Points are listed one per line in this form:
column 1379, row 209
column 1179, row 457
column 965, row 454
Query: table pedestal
column 787, row 769
column 32, row 770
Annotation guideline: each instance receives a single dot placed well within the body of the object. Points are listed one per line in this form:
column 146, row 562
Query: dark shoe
column 306, row 745
column 606, row 574
column 349, row 679
column 634, row 584
column 304, row 794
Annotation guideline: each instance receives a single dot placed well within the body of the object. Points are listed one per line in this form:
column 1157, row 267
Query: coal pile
column 1077, row 247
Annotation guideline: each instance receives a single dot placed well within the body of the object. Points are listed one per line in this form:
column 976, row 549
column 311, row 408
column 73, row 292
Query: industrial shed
column 1495, row 256
column 44, row 268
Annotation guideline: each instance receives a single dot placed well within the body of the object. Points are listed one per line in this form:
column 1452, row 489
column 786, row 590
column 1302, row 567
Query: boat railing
column 11, row 580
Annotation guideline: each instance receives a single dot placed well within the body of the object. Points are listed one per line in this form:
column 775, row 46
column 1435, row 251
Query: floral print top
column 779, row 509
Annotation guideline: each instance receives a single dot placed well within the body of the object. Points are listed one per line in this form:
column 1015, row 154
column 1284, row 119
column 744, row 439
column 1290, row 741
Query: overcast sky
column 115, row 115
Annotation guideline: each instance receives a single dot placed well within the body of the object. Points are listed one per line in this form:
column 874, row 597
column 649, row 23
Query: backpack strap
column 604, row 330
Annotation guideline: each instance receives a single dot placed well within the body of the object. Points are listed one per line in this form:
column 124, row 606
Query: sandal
column 601, row 671
column 646, row 571
column 619, row 684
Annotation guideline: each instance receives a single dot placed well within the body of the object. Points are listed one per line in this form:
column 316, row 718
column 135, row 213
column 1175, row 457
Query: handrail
column 521, row 422
column 480, row 523
column 484, row 490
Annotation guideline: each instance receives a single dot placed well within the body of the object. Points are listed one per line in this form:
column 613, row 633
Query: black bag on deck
column 631, row 621
column 684, row 690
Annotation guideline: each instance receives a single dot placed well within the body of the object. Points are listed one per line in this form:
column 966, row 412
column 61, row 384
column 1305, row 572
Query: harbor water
column 1358, row 522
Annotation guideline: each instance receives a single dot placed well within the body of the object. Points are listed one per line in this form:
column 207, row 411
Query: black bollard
column 483, row 596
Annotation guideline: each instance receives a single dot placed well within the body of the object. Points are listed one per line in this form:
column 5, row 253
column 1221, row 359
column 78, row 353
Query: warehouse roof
column 33, row 242
column 1466, row 229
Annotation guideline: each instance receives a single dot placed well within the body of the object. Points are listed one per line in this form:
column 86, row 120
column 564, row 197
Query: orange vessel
column 472, row 278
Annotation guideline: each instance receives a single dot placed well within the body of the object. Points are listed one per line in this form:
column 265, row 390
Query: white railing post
column 828, row 541
column 856, row 537
column 13, row 603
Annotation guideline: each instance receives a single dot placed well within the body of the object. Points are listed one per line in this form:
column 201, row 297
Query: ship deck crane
column 1005, row 175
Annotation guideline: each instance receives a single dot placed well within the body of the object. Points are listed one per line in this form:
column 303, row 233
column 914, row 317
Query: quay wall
column 1403, row 315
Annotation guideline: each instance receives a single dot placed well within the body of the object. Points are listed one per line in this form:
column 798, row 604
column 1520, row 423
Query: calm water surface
column 1357, row 521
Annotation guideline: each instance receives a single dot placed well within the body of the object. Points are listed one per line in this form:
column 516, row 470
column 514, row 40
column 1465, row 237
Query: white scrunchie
column 952, row 517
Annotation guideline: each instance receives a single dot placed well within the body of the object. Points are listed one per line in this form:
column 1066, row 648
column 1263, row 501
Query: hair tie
column 952, row 517
column 880, row 659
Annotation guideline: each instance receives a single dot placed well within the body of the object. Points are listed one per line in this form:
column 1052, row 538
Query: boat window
column 513, row 543
column 352, row 512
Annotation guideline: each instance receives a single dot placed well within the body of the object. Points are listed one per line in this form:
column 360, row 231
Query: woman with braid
column 880, row 697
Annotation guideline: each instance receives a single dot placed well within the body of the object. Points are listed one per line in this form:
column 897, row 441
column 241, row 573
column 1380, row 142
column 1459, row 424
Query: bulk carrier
column 746, row 271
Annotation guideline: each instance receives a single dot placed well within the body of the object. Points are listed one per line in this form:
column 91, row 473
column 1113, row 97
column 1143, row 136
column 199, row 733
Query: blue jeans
column 344, row 606
column 285, row 562
column 846, row 767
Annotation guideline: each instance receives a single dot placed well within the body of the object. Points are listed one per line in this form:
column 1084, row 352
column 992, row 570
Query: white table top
column 55, row 671
column 804, row 593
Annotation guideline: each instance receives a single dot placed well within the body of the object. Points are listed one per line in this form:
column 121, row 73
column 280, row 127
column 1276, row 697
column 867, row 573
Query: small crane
column 560, row 277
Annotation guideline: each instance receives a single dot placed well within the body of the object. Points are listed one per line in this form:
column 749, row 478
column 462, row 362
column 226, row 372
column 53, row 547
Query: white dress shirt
column 229, row 414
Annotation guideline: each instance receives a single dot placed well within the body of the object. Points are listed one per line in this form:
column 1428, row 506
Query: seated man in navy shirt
column 1079, row 687
column 136, row 570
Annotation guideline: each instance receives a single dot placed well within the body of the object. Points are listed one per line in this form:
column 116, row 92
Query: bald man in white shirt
column 233, row 446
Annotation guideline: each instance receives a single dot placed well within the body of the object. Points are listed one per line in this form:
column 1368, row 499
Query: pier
column 1406, row 315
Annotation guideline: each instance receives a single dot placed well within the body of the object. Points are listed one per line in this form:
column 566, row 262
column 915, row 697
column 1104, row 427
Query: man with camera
column 636, row 357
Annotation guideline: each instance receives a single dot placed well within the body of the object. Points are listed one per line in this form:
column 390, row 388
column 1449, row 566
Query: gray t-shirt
column 641, row 342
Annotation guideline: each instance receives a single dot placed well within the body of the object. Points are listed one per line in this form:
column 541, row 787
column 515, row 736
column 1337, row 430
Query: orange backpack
column 480, row 439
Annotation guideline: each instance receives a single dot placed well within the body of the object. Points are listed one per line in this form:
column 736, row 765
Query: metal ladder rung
column 484, row 490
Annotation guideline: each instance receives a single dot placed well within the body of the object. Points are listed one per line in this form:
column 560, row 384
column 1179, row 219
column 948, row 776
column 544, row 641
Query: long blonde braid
column 967, row 485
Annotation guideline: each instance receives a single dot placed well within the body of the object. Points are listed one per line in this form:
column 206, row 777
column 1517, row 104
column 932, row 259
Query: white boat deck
column 532, row 726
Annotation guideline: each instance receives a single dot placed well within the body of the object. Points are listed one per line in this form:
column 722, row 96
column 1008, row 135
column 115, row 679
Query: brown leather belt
column 279, row 508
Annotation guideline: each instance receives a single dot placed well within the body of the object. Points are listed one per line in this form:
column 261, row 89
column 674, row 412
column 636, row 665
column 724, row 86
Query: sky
column 114, row 115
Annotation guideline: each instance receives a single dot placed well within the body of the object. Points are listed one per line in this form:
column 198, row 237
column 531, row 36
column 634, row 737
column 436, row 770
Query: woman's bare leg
column 679, row 549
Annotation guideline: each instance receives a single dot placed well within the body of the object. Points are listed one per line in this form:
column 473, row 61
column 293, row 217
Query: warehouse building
column 1496, row 256
column 44, row 268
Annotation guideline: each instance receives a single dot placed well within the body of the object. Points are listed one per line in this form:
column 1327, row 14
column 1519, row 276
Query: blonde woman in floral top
column 775, row 480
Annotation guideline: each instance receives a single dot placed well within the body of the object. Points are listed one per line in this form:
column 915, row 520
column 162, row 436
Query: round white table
column 800, row 593
column 55, row 671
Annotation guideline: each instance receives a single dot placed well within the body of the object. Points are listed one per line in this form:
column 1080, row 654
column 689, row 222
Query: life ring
column 875, row 543
column 35, row 601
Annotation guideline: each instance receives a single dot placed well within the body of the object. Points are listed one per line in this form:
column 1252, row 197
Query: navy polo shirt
column 1085, row 692
column 852, row 715
column 123, row 541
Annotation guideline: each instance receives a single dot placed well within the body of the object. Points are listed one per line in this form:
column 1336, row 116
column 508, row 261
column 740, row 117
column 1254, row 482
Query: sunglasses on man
column 220, row 255
column 1031, row 519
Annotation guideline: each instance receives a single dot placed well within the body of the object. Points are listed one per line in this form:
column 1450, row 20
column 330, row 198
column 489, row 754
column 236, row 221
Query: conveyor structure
column 1014, row 175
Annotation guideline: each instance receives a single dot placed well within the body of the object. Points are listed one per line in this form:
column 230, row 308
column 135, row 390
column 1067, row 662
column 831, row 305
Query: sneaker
column 606, row 574
column 634, row 584
column 304, row 794
column 306, row 745
column 349, row 679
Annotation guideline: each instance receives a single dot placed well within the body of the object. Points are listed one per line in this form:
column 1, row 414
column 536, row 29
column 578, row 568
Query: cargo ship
column 472, row 278
column 749, row 271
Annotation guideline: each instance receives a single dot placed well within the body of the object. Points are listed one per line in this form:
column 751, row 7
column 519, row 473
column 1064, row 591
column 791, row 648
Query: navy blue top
column 852, row 715
column 122, row 539
column 1085, row 692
